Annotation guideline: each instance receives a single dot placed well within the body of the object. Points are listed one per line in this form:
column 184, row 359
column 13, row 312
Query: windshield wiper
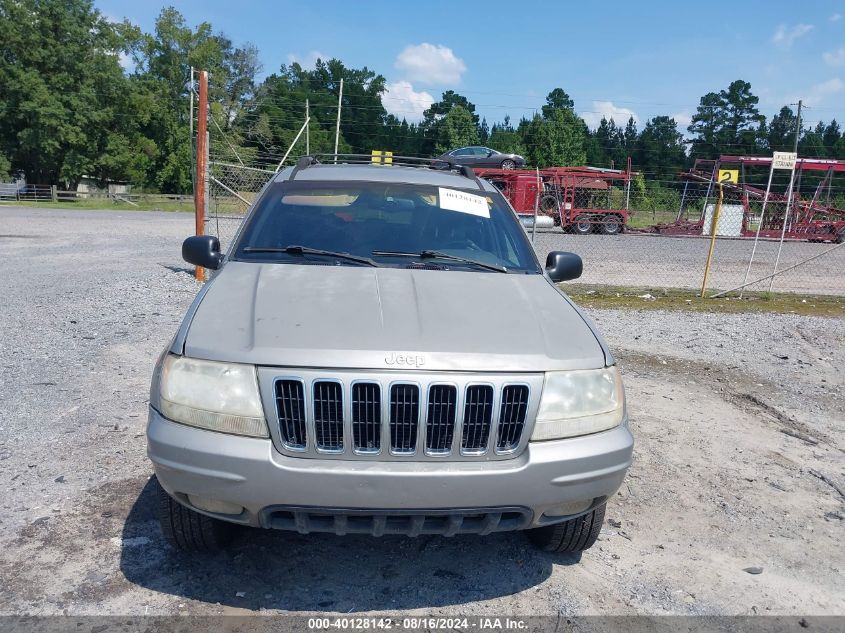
column 295, row 249
column 440, row 255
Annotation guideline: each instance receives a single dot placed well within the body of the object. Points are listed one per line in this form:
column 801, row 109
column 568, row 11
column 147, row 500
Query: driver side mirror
column 489, row 154
column 563, row 266
column 202, row 250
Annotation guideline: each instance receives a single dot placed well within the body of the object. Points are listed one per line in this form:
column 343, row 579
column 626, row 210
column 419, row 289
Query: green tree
column 727, row 122
column 5, row 169
column 781, row 131
column 62, row 97
column 831, row 136
column 558, row 141
column 434, row 116
column 557, row 99
column 660, row 151
column 504, row 138
column 458, row 129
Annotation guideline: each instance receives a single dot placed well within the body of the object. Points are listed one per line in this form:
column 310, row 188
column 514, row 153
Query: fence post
column 202, row 163
column 714, row 228
column 54, row 196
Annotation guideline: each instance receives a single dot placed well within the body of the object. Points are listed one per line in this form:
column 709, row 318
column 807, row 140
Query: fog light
column 213, row 505
column 565, row 509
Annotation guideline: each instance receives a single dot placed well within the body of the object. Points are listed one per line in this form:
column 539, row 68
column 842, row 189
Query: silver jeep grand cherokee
column 380, row 352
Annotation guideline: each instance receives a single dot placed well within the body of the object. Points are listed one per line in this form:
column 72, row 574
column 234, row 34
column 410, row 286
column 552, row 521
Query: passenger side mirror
column 489, row 154
column 202, row 250
column 563, row 266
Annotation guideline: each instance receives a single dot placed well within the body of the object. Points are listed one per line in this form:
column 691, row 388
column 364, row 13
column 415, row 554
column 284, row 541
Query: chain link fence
column 666, row 239
column 232, row 189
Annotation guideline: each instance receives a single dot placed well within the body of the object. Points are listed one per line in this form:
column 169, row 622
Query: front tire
column 508, row 164
column 575, row 535
column 191, row 531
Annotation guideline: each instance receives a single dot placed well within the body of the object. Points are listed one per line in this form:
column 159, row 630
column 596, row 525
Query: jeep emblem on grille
column 405, row 360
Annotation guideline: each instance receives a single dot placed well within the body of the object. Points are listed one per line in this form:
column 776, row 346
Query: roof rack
column 372, row 159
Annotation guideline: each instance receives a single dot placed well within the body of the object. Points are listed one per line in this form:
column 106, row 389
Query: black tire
column 583, row 225
column 575, row 535
column 549, row 206
column 611, row 225
column 191, row 531
column 840, row 236
column 508, row 164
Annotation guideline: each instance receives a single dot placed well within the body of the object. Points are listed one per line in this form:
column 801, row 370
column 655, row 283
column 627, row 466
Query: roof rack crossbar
column 304, row 162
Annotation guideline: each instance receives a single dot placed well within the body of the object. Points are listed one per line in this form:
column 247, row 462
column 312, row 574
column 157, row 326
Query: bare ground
column 739, row 420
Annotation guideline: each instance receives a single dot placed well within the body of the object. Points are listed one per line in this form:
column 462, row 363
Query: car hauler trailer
column 809, row 215
column 578, row 199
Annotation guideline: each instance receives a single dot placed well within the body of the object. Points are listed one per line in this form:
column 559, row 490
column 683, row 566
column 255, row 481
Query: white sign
column 784, row 160
column 463, row 202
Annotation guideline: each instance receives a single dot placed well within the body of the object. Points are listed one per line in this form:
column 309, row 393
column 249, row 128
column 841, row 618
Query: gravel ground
column 739, row 419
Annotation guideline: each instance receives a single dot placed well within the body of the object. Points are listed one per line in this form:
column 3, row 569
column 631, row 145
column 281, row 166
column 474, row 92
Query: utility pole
column 337, row 126
column 191, row 135
column 202, row 161
column 307, row 131
column 797, row 127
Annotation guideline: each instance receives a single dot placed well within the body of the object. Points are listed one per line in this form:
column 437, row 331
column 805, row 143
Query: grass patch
column 184, row 206
column 627, row 298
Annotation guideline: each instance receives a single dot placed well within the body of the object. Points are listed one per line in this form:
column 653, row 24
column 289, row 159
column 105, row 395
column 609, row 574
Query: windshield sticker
column 454, row 200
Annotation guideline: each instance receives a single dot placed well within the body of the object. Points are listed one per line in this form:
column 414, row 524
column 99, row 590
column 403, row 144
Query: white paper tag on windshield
column 463, row 202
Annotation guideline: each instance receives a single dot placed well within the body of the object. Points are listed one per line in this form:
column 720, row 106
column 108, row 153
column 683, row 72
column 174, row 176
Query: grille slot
column 404, row 418
column 440, row 422
column 366, row 417
column 512, row 417
column 478, row 414
column 290, row 405
column 328, row 416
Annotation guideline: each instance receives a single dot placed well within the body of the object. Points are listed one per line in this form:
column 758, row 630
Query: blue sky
column 613, row 58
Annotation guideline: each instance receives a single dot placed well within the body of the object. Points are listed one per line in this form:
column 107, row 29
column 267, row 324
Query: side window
column 464, row 151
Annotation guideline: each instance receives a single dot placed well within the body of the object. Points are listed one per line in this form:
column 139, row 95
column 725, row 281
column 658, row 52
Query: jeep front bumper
column 547, row 483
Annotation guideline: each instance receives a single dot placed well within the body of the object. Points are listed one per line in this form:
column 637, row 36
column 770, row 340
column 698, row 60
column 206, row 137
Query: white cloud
column 835, row 17
column 609, row 111
column 835, row 58
column 785, row 35
column 683, row 119
column 430, row 64
column 309, row 60
column 405, row 102
column 820, row 91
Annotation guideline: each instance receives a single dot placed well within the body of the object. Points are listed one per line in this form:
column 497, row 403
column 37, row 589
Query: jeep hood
column 389, row 318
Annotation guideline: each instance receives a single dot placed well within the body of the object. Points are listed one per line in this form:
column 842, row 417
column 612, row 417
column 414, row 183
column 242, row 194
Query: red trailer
column 578, row 199
column 810, row 216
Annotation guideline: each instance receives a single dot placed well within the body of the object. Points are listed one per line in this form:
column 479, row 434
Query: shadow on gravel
column 320, row 572
column 178, row 269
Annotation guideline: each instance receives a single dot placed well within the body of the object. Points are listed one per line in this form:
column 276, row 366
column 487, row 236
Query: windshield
column 397, row 225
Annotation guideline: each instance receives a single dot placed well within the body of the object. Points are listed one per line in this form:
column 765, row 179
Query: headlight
column 579, row 402
column 210, row 395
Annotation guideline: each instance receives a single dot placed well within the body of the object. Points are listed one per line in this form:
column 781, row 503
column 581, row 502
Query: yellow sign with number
column 382, row 158
column 728, row 176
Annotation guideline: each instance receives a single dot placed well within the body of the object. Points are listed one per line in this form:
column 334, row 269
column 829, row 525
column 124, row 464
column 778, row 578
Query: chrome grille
column 392, row 415
column 290, row 407
column 366, row 417
column 512, row 413
column 328, row 416
column 478, row 414
column 404, row 418
column 440, row 421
